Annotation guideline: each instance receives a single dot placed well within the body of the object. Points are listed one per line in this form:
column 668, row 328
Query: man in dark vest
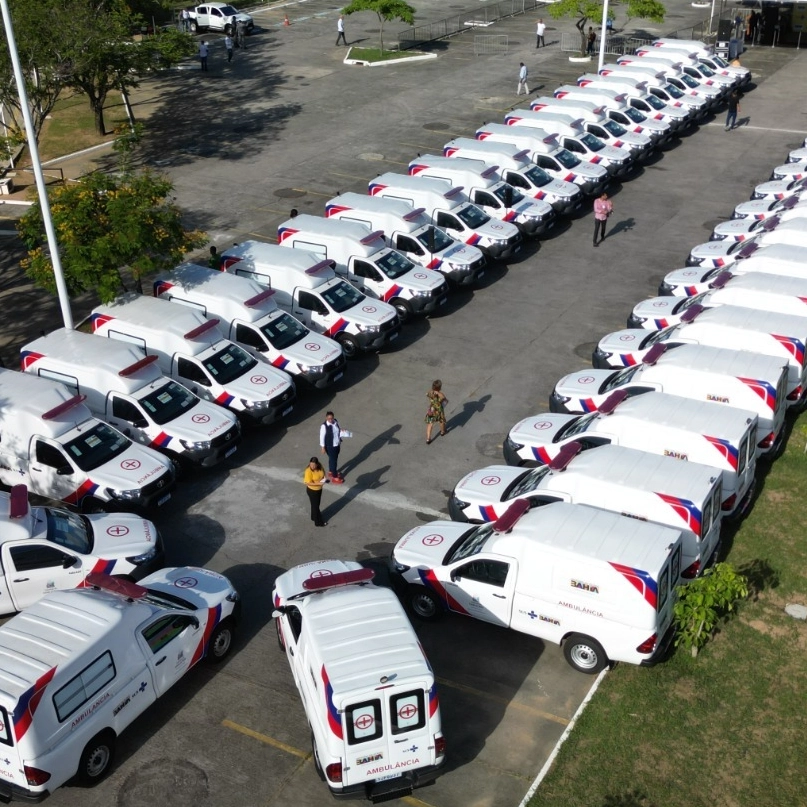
column 330, row 441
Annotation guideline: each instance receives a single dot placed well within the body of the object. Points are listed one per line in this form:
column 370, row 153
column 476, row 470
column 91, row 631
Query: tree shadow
column 761, row 576
column 631, row 798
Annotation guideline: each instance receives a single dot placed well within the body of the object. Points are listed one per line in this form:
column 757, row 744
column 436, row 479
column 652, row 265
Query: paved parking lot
column 289, row 125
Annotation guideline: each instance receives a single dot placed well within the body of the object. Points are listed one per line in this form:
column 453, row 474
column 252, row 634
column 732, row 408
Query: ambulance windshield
column 229, row 364
column 470, row 543
column 434, row 239
column 526, row 483
column 577, row 426
column 635, row 115
column 393, row 264
column 284, row 331
column 168, row 402
column 70, row 530
column 472, row 216
column 342, row 296
column 538, row 176
column 619, row 378
column 96, row 446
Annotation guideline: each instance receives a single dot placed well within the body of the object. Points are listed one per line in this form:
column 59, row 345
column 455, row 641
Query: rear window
column 407, row 711
column 364, row 722
column 5, row 728
column 84, row 686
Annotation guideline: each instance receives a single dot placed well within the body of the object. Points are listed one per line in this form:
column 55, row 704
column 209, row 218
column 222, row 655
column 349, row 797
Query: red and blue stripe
column 224, row 399
column 334, row 718
column 762, row 388
column 28, row 358
column 161, row 286
column 588, row 405
column 416, row 169
column 213, row 619
column 429, row 579
column 337, row 327
column 99, row 320
column 729, row 452
column 541, row 454
column 487, row 513
column 641, row 581
column 392, row 292
column 374, row 188
column 473, row 239
column 793, row 346
column 280, row 362
column 332, row 210
column 161, row 440
column 686, row 509
column 27, row 704
column 87, row 488
column 285, row 232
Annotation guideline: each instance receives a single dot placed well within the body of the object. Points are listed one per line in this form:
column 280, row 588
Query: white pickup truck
column 217, row 17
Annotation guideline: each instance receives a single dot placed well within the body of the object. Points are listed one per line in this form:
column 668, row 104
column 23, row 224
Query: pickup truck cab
column 128, row 391
column 47, row 549
column 248, row 316
column 218, row 17
column 541, row 572
column 307, row 287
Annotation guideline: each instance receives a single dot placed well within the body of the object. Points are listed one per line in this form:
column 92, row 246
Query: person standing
column 436, row 413
column 330, row 442
column 734, row 108
column 314, row 479
column 603, row 207
column 241, row 34
column 340, row 29
column 184, row 21
column 522, row 80
column 214, row 261
column 592, row 38
column 203, row 55
column 540, row 28
column 228, row 46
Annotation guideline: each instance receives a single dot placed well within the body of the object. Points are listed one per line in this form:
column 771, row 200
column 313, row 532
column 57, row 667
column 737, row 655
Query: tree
column 585, row 10
column 386, row 10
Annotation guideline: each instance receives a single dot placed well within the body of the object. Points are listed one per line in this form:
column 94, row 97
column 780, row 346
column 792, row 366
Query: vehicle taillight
column 796, row 394
column 334, row 772
column 648, row 645
column 767, row 442
column 691, row 572
column 35, row 776
column 439, row 746
column 728, row 505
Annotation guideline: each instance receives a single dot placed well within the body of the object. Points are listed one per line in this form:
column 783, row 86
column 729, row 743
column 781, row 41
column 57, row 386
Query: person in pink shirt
column 602, row 209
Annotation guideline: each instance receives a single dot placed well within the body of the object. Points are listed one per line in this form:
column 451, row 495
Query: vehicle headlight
column 757, row 195
column 717, row 237
column 501, row 242
column 422, row 293
column 124, row 495
column 457, row 267
column 459, row 503
column 368, row 328
column 666, row 288
column 637, row 321
column 400, row 567
column 310, row 369
column 513, row 444
column 602, row 354
column 564, row 399
column 262, row 404
column 138, row 560
column 736, row 215
column 233, row 596
column 200, row 445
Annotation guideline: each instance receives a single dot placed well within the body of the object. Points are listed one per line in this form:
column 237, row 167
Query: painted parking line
column 415, row 802
column 263, row 738
column 522, row 707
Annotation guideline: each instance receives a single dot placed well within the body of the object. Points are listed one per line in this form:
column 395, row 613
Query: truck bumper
column 662, row 648
column 501, row 252
column 10, row 792
column 391, row 788
column 428, row 305
column 332, row 372
column 220, row 449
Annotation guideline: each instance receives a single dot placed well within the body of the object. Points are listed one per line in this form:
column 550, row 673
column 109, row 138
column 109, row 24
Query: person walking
column 592, row 38
column 522, row 80
column 203, row 50
column 330, row 442
column 603, row 207
column 436, row 412
column 314, row 479
column 184, row 21
column 241, row 34
column 540, row 28
column 340, row 29
column 734, row 108
column 228, row 46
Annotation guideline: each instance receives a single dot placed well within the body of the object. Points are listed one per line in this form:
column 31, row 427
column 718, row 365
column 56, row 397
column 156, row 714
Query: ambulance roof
column 458, row 166
column 373, row 204
column 104, row 362
column 720, row 361
column 524, row 136
column 424, row 185
column 335, row 229
column 492, row 148
column 260, row 257
column 588, row 531
column 772, row 284
column 750, row 319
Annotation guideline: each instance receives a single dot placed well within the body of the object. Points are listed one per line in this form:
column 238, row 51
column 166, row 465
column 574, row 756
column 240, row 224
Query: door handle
column 291, row 652
column 156, row 663
column 21, row 579
column 500, row 596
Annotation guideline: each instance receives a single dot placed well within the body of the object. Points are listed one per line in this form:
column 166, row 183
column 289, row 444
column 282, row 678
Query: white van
column 450, row 210
column 781, row 335
column 571, row 136
column 307, row 288
column 594, row 119
column 191, row 349
column 51, row 443
column 665, row 85
column 599, row 584
column 695, row 431
column 674, row 75
column 547, row 153
column 485, row 188
column 737, row 378
column 739, row 75
column 411, row 232
column 47, row 549
column 249, row 316
column 367, row 688
column 130, row 392
column 79, row 666
column 517, row 169
column 689, row 65
column 621, row 480
column 363, row 259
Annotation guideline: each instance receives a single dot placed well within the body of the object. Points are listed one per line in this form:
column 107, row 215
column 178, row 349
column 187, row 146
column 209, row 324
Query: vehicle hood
column 693, row 280
column 532, row 208
column 205, row 421
column 792, row 170
column 654, row 124
column 609, row 153
column 311, row 349
column 427, row 545
column 260, row 383
column 458, row 253
column 539, row 429
column 121, row 535
column 135, row 467
column 418, row 279
column 759, row 209
column 737, row 229
column 626, row 344
column 633, row 138
column 797, row 155
column 714, row 253
column 659, row 311
column 487, row 484
column 775, row 189
column 369, row 312
column 498, row 230
column 290, row 583
column 584, row 383
column 201, row 587
column 561, row 188
column 587, row 170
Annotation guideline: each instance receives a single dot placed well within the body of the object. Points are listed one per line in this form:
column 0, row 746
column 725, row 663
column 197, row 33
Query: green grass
column 728, row 728
column 375, row 54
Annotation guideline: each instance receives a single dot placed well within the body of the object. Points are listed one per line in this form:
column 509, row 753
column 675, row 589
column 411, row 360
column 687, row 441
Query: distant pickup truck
column 217, row 17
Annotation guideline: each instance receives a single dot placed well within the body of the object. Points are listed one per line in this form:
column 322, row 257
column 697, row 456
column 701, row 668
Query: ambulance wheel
column 403, row 308
column 350, row 347
column 424, row 604
column 315, row 755
column 96, row 758
column 221, row 642
column 584, row 654
column 281, row 643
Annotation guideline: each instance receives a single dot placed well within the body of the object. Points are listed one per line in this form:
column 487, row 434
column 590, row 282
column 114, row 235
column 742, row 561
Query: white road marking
column 760, row 128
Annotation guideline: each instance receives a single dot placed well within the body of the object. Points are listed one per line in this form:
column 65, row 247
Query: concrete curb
column 363, row 62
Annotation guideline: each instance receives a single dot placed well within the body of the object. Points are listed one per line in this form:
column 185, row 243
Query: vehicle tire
column 221, row 642
column 424, row 604
column 403, row 308
column 350, row 347
column 228, row 29
column 281, row 643
column 315, row 755
column 92, row 505
column 584, row 654
column 96, row 759
column 194, row 26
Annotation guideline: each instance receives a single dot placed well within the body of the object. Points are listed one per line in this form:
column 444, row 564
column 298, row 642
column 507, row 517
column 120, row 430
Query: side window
column 71, row 382
column 161, row 632
column 365, row 270
column 574, row 146
column 675, row 566
column 295, row 621
column 618, row 117
column 407, row 712
column 28, row 558
column 448, row 221
column 249, row 336
column 5, row 728
column 364, row 722
column 491, row 572
column 192, row 371
column 664, row 586
column 84, row 686
column 50, row 455
column 546, row 162
column 486, row 199
column 598, row 131
column 517, row 181
column 406, row 244
column 310, row 302
column 125, row 410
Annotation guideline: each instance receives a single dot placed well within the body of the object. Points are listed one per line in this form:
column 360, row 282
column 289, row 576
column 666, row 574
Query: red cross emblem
column 130, row 465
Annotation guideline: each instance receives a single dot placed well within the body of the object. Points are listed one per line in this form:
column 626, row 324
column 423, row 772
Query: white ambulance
column 599, row 584
column 363, row 258
column 77, row 667
column 693, row 431
column 47, row 549
column 411, row 232
column 249, row 316
column 192, row 350
column 650, row 487
column 450, row 210
column 485, row 188
column 368, row 690
column 50, row 442
column 130, row 392
column 307, row 288
column 737, row 378
column 518, row 170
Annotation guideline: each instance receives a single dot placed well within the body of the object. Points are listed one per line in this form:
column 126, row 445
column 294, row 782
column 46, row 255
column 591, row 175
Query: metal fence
column 615, row 44
column 466, row 20
column 491, row 44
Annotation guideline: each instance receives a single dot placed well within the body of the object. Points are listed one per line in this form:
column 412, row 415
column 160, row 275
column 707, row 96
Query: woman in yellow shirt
column 314, row 479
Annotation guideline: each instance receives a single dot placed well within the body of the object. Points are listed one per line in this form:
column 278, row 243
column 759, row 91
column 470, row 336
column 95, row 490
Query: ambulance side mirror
column 277, row 614
column 140, row 423
column 194, row 623
column 64, row 470
column 455, row 576
column 68, row 561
